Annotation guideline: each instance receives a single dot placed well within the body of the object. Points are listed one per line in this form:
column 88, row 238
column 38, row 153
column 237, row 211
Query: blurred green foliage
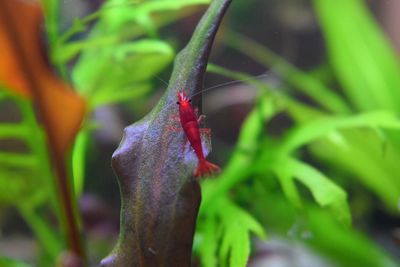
column 353, row 131
column 296, row 183
column 26, row 178
column 116, row 63
column 11, row 263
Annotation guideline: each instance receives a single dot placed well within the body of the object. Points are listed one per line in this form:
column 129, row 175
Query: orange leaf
column 25, row 71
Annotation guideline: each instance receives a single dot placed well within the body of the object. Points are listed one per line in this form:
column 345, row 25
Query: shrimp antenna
column 160, row 79
column 229, row 83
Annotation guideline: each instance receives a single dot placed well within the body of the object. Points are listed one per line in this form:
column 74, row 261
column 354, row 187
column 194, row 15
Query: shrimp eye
column 177, row 103
column 190, row 100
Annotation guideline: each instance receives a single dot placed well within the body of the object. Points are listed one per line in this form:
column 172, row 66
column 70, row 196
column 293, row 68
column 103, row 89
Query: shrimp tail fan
column 206, row 168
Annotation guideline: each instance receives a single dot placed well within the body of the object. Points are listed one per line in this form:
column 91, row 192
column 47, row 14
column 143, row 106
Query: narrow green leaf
column 365, row 156
column 288, row 186
column 209, row 244
column 119, row 12
column 322, row 126
column 18, row 159
column 78, row 160
column 101, row 74
column 47, row 237
column 300, row 80
column 236, row 244
column 109, row 96
column 13, row 130
column 361, row 56
column 241, row 252
column 7, row 262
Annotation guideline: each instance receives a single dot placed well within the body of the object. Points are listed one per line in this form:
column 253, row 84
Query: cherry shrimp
column 190, row 125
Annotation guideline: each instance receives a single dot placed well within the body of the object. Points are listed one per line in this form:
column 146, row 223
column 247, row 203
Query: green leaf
column 235, row 240
column 236, row 244
column 44, row 233
column 13, row 130
column 18, row 159
column 240, row 164
column 362, row 58
column 118, row 22
column 366, row 156
column 101, row 74
column 345, row 246
column 7, row 262
column 13, row 186
column 116, row 13
column 322, row 126
column 231, row 225
column 78, row 160
column 288, row 185
column 128, row 93
column 208, row 247
column 325, row 192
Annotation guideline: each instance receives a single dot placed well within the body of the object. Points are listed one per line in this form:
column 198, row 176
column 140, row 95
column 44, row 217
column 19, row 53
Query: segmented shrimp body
column 190, row 126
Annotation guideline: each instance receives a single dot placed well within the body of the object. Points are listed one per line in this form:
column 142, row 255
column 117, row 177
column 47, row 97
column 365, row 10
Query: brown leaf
column 24, row 70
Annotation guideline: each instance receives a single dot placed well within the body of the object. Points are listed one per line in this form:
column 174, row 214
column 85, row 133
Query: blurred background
column 303, row 103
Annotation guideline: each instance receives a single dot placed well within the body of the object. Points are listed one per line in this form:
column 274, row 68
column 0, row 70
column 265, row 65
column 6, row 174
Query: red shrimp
column 190, row 126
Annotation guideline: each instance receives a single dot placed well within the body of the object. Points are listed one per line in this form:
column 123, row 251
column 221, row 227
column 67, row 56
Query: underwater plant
column 313, row 180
